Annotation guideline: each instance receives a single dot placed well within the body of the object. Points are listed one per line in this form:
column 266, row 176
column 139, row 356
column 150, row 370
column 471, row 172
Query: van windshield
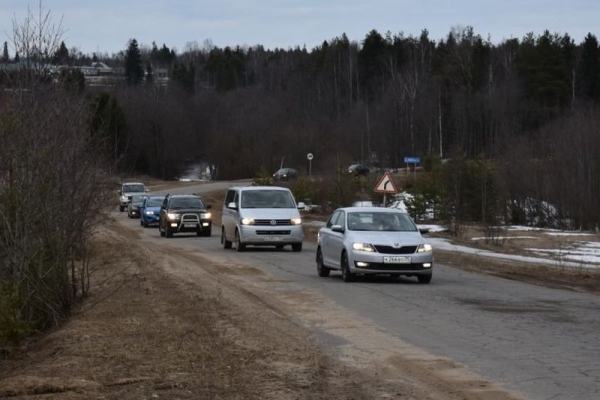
column 134, row 188
column 267, row 199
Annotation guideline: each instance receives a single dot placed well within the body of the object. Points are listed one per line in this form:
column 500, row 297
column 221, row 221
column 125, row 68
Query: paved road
column 543, row 343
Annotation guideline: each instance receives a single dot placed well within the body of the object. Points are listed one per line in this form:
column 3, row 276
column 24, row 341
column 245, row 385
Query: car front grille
column 395, row 250
column 272, row 222
column 263, row 232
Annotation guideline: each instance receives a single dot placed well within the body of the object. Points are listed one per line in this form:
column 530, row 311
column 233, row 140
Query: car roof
column 259, row 188
column 371, row 209
column 132, row 183
column 183, row 195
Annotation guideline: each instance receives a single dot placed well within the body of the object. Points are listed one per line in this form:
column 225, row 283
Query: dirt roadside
column 169, row 326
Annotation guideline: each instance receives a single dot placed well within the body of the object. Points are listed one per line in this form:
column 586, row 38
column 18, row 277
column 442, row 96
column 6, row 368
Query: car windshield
column 380, row 221
column 133, row 188
column 154, row 201
column 186, row 202
column 267, row 199
column 137, row 199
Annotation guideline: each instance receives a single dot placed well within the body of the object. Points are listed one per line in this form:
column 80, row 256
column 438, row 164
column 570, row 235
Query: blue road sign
column 412, row 160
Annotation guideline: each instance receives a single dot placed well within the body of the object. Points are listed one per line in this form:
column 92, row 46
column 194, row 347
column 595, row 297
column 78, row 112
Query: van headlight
column 363, row 247
column 296, row 221
column 424, row 248
column 205, row 215
column 173, row 216
column 247, row 221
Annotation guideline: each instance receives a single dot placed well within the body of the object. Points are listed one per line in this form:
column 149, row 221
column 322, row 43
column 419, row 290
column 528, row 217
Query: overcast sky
column 107, row 25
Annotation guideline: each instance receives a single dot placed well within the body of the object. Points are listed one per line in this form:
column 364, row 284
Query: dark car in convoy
column 285, row 174
column 150, row 210
column 181, row 213
column 133, row 207
column 358, row 169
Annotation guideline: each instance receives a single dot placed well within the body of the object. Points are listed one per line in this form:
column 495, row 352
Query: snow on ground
column 504, row 237
column 589, row 262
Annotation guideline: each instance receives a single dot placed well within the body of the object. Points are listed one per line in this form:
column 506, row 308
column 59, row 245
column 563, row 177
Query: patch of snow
column 567, row 234
column 444, row 244
column 505, row 237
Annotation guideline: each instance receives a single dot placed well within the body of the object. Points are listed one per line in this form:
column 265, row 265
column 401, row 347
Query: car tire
column 121, row 208
column 424, row 278
column 208, row 231
column 297, row 247
column 144, row 224
column 226, row 243
column 168, row 232
column 160, row 229
column 322, row 270
column 347, row 275
column 239, row 246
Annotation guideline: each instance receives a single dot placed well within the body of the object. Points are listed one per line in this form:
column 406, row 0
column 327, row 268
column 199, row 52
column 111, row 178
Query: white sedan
column 373, row 240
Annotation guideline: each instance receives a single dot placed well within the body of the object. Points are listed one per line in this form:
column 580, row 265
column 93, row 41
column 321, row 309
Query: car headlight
column 247, row 221
column 205, row 215
column 296, row 221
column 424, row 248
column 149, row 212
column 363, row 247
column 123, row 198
column 173, row 216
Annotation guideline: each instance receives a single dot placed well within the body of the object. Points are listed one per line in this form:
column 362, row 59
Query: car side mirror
column 424, row 231
column 208, row 206
column 337, row 228
column 232, row 205
column 301, row 206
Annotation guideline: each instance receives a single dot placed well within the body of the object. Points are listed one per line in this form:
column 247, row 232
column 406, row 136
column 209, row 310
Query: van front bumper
column 265, row 236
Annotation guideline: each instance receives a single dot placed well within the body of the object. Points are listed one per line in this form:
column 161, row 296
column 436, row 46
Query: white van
column 261, row 216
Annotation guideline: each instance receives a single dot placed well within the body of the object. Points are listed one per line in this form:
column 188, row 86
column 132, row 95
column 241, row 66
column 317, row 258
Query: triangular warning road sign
column 386, row 184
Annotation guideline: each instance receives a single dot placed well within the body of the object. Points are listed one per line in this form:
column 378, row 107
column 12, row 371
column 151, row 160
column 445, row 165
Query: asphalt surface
column 542, row 343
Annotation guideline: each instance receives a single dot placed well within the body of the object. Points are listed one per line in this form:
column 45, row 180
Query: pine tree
column 134, row 70
column 589, row 68
column 5, row 57
column 61, row 57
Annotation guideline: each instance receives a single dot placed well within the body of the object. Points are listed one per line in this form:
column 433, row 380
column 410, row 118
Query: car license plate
column 396, row 260
column 272, row 239
column 189, row 225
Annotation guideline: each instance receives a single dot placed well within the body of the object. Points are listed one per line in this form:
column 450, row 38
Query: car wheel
column 208, row 231
column 226, row 243
column 168, row 232
column 297, row 247
column 322, row 270
column 160, row 229
column 424, row 278
column 239, row 246
column 121, row 208
column 347, row 275
column 144, row 224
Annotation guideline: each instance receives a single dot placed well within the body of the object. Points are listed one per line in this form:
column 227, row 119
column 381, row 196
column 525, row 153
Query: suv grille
column 393, row 250
column 189, row 218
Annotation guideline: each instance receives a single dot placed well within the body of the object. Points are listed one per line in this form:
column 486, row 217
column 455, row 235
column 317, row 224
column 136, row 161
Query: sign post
column 412, row 160
column 385, row 186
column 309, row 156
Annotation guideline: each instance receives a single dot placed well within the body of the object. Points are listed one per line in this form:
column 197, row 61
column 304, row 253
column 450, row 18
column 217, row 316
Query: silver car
column 373, row 240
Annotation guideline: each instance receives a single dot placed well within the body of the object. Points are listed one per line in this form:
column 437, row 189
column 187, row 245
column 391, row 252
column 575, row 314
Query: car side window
column 333, row 218
column 341, row 220
column 236, row 199
column 230, row 197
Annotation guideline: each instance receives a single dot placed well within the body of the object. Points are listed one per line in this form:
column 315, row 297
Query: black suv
column 184, row 213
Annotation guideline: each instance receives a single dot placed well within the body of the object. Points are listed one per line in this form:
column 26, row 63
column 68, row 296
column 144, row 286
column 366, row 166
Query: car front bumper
column 361, row 262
